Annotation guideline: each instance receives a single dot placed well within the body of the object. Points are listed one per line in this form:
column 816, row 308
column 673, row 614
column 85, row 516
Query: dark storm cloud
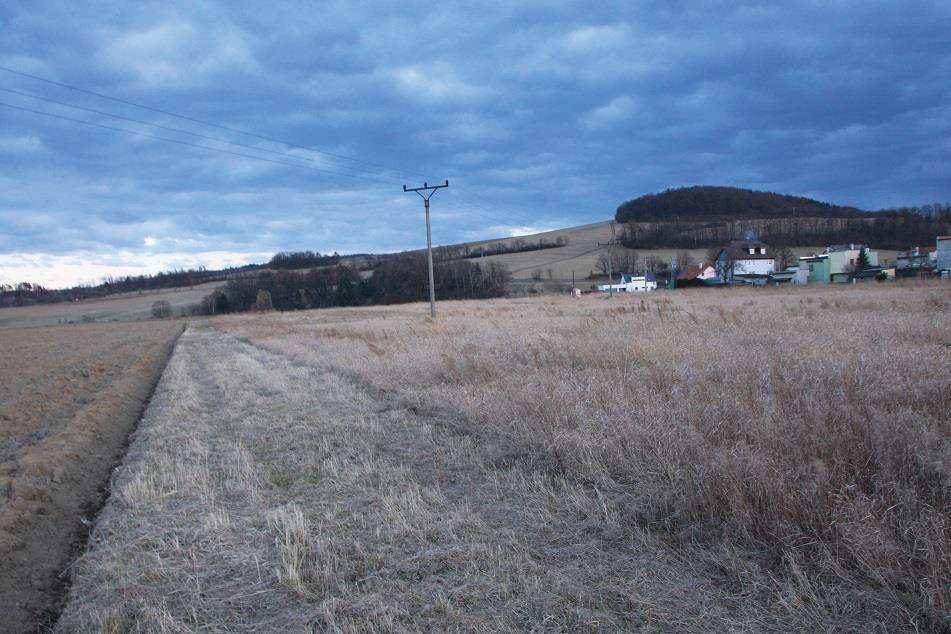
column 540, row 114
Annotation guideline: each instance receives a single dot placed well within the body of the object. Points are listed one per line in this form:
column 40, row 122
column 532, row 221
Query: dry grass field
column 737, row 459
column 68, row 397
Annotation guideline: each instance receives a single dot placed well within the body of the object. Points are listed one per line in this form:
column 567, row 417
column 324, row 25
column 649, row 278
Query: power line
column 178, row 130
column 238, row 154
column 381, row 178
column 486, row 213
column 200, row 121
column 509, row 213
column 215, row 149
column 219, row 126
column 611, row 243
column 186, row 143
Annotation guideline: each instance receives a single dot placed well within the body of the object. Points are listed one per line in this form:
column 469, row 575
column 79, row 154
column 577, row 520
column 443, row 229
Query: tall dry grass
column 804, row 430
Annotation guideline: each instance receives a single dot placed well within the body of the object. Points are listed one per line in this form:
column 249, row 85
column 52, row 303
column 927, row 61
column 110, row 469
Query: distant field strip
column 261, row 494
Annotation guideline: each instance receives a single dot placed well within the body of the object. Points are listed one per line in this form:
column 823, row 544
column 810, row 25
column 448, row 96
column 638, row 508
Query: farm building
column 631, row 283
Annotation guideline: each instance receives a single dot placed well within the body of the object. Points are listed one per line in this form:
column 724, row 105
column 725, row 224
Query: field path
column 263, row 493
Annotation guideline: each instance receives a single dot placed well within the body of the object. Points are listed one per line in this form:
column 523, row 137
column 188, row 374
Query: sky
column 293, row 126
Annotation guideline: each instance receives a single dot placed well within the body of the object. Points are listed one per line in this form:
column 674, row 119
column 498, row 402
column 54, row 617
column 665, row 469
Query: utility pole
column 426, row 192
column 610, row 244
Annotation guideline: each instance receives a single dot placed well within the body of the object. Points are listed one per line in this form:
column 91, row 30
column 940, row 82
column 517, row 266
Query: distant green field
column 126, row 307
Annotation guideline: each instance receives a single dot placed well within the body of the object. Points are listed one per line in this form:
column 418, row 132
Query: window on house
column 752, row 251
column 762, row 250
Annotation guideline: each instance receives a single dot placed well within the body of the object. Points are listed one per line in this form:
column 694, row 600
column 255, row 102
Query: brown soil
column 69, row 396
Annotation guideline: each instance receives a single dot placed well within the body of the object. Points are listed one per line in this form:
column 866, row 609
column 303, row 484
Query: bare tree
column 654, row 264
column 622, row 261
column 682, row 260
column 784, row 257
column 626, row 261
column 724, row 264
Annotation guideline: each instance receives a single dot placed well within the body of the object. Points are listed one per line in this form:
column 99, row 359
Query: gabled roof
column 740, row 250
column 694, row 271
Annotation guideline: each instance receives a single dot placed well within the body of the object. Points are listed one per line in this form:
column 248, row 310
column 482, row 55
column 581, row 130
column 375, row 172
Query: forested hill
column 725, row 203
column 700, row 217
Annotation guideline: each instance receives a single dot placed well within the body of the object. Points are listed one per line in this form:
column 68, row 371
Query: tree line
column 26, row 294
column 886, row 229
column 396, row 279
column 516, row 246
column 469, row 252
column 301, row 260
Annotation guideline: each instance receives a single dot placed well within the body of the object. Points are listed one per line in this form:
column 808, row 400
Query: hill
column 703, row 217
column 703, row 202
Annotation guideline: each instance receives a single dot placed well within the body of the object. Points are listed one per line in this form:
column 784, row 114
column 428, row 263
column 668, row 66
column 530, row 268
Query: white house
column 631, row 284
column 744, row 257
column 943, row 255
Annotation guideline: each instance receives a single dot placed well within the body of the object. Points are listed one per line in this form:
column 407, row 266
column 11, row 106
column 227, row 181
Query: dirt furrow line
column 57, row 486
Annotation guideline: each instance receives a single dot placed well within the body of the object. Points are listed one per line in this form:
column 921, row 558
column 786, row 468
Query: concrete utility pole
column 426, row 192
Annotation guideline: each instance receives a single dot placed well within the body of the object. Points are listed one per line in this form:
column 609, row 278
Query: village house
column 838, row 263
column 798, row 274
column 744, row 260
column 943, row 255
column 697, row 274
column 631, row 283
column 916, row 259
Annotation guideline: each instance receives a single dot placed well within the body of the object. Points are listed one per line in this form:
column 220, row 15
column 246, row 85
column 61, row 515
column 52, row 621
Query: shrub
column 263, row 302
column 161, row 309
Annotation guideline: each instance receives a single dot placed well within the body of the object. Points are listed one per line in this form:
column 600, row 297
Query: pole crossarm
column 426, row 188
column 426, row 192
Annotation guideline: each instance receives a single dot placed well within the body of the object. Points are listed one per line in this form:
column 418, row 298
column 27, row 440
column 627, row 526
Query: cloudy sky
column 300, row 122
